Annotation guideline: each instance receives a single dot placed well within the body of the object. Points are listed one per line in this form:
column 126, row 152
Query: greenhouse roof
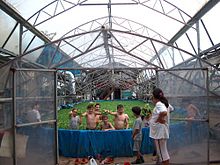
column 110, row 43
column 96, row 33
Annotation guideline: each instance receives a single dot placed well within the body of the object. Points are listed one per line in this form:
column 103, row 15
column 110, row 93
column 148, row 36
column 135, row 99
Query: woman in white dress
column 159, row 125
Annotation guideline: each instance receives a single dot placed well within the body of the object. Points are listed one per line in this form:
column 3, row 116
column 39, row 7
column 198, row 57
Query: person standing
column 75, row 120
column 137, row 135
column 90, row 115
column 121, row 119
column 159, row 125
column 34, row 114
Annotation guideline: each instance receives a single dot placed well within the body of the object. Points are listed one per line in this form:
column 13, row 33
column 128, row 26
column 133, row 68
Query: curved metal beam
column 209, row 5
column 166, row 44
column 125, row 32
column 114, row 21
column 55, row 13
column 81, row 3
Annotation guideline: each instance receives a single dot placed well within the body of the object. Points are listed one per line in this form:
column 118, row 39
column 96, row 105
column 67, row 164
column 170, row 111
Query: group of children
column 95, row 120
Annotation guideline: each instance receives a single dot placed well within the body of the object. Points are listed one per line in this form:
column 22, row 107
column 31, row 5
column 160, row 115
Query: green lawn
column 63, row 116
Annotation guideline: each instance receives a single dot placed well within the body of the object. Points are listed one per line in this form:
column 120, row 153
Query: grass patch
column 63, row 115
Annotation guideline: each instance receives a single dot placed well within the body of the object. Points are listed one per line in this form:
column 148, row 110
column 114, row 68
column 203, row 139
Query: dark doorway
column 117, row 94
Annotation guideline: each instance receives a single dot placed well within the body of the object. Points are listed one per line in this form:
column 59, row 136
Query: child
column 98, row 117
column 75, row 120
column 146, row 119
column 90, row 115
column 146, row 123
column 137, row 135
column 121, row 119
column 106, row 125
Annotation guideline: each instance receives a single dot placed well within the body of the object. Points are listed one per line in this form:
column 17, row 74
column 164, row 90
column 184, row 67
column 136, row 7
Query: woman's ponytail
column 158, row 94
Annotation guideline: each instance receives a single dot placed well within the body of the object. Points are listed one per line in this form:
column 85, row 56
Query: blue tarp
column 118, row 143
column 115, row 143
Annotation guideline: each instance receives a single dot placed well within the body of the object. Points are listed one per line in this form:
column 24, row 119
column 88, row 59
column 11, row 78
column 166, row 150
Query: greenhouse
column 56, row 54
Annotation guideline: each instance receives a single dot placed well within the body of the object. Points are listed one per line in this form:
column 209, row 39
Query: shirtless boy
column 90, row 115
column 121, row 119
column 98, row 117
column 106, row 125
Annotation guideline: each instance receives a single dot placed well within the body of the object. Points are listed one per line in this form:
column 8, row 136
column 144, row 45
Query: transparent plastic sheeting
column 190, row 145
column 214, row 128
column 6, row 111
column 186, row 91
column 5, row 81
column 40, row 146
column 34, row 145
column 6, row 149
column 183, row 83
column 32, row 88
column 34, row 141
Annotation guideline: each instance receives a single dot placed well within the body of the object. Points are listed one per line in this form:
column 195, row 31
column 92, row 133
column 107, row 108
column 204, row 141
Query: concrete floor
column 189, row 154
column 121, row 160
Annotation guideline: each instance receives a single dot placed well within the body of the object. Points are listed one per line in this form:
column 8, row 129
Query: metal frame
column 15, row 125
column 144, row 74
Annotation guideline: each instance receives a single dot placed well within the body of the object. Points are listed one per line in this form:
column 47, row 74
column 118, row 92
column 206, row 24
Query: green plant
column 79, row 112
column 104, row 112
column 147, row 110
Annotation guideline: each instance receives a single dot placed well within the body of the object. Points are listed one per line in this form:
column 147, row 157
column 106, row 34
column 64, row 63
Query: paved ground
column 121, row 160
column 195, row 154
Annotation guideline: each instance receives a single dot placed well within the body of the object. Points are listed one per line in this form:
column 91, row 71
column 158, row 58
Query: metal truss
column 91, row 79
column 160, row 6
column 106, row 43
column 119, row 22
